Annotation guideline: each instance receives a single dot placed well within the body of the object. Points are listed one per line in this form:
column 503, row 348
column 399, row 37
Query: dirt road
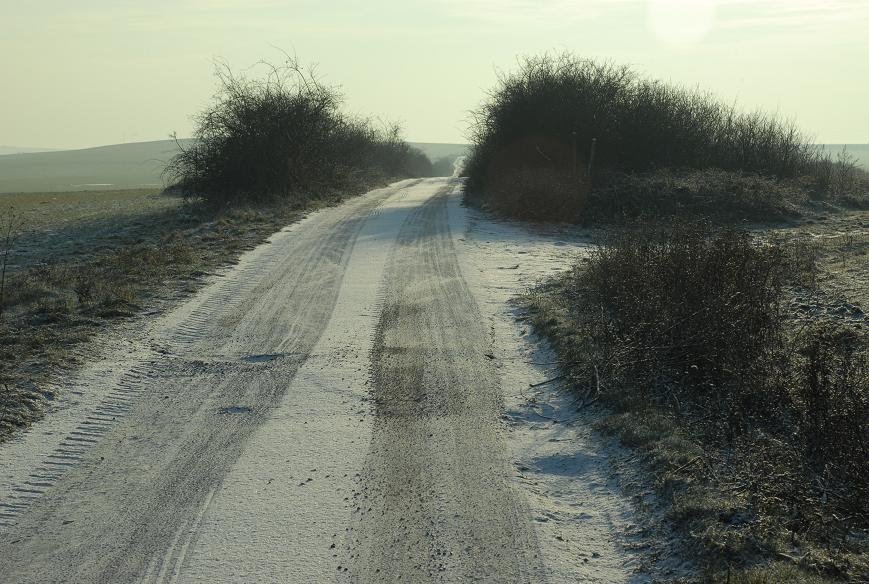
column 330, row 409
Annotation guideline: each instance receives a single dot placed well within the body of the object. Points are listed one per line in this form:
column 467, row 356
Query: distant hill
column 139, row 164
column 435, row 150
column 119, row 166
column 4, row 150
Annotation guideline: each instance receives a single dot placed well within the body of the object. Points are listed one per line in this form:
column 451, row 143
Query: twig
column 555, row 420
column 10, row 229
column 686, row 465
column 588, row 403
column 597, row 379
column 556, row 378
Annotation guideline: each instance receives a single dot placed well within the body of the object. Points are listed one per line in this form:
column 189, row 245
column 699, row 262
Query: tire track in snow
column 434, row 504
column 282, row 510
column 126, row 480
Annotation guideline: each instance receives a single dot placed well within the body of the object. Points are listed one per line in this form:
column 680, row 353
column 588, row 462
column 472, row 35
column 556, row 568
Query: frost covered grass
column 755, row 427
column 79, row 265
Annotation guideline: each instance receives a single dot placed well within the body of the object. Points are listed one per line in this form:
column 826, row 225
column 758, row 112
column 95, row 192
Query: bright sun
column 681, row 22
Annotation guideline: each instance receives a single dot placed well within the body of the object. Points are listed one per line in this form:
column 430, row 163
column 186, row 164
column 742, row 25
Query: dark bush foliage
column 721, row 195
column 681, row 328
column 285, row 137
column 536, row 194
column 690, row 309
column 547, row 115
column 831, row 393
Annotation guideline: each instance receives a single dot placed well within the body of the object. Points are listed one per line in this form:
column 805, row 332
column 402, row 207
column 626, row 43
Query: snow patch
column 586, row 527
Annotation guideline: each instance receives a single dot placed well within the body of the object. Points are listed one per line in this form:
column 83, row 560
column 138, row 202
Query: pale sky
column 79, row 73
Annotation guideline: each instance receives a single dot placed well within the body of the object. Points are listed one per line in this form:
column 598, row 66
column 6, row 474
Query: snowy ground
column 351, row 402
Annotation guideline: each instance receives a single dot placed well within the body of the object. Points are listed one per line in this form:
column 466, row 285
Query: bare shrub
column 284, row 137
column 637, row 125
column 690, row 311
column 11, row 224
column 831, row 391
column 757, row 431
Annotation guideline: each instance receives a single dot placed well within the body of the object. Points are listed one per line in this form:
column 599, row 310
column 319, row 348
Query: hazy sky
column 79, row 73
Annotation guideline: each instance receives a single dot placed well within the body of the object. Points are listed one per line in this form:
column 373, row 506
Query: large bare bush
column 284, row 136
column 566, row 114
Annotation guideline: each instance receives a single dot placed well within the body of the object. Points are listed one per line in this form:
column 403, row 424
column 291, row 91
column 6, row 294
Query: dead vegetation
column 55, row 302
column 580, row 141
column 718, row 195
column 726, row 359
column 267, row 150
column 754, row 422
column 285, row 137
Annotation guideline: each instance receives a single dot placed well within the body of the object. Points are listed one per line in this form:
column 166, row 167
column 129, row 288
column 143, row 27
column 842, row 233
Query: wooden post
column 573, row 141
column 591, row 156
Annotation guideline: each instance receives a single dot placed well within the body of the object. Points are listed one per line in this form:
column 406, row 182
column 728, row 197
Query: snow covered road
column 347, row 404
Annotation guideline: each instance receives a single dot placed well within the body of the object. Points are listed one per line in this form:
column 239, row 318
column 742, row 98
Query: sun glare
column 681, row 22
